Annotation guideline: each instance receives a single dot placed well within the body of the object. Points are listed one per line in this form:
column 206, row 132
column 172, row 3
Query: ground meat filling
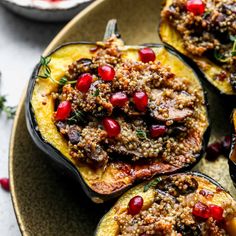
column 172, row 212
column 172, row 105
column 212, row 34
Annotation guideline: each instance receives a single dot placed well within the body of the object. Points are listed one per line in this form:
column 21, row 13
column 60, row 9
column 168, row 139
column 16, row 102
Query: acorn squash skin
column 51, row 141
column 109, row 224
column 205, row 67
column 232, row 155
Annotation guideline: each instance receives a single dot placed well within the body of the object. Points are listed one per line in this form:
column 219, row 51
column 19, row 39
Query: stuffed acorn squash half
column 112, row 114
column 204, row 31
column 179, row 204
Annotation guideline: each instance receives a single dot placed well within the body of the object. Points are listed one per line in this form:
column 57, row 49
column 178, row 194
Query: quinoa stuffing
column 127, row 110
column 208, row 28
column 178, row 208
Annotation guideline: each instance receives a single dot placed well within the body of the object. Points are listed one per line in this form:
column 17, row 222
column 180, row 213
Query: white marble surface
column 21, row 43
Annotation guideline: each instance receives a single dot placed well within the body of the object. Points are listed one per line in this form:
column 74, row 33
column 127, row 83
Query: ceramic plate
column 45, row 202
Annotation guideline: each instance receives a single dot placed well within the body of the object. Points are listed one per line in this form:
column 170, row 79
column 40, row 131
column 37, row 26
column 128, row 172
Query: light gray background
column 21, row 43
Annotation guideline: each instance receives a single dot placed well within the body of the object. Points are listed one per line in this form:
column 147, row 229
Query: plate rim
column 38, row 5
column 20, row 106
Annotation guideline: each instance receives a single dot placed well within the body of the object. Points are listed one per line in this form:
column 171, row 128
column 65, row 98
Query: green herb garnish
column 96, row 93
column 46, row 72
column 141, row 134
column 220, row 57
column 152, row 184
column 10, row 111
column 63, row 81
column 233, row 52
column 78, row 116
column 232, row 38
column 206, row 14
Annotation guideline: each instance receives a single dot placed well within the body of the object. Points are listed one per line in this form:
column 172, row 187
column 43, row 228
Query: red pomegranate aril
column 119, row 99
column 106, row 72
column 84, row 82
column 63, row 111
column 157, row 130
column 111, row 126
column 213, row 151
column 5, row 184
column 140, row 100
column 216, row 212
column 201, row 210
column 135, row 205
column 146, row 55
column 197, row 7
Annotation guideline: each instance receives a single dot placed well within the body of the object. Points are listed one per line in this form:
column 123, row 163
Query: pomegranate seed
column 63, row 110
column 226, row 143
column 119, row 99
column 197, row 7
column 111, row 126
column 201, row 210
column 146, row 55
column 84, row 82
column 140, row 100
column 216, row 212
column 214, row 150
column 5, row 184
column 106, row 72
column 135, row 205
column 157, row 130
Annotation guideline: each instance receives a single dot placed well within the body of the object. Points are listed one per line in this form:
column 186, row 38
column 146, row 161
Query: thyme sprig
column 206, row 14
column 96, row 93
column 63, row 81
column 233, row 39
column 152, row 184
column 9, row 110
column 220, row 57
column 78, row 116
column 46, row 72
column 141, row 134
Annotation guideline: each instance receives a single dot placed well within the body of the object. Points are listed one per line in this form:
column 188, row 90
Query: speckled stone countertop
column 21, row 43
